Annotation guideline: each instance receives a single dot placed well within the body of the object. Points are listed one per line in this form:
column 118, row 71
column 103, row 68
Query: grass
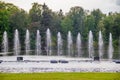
column 60, row 76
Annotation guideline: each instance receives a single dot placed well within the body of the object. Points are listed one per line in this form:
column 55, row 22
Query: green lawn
column 60, row 76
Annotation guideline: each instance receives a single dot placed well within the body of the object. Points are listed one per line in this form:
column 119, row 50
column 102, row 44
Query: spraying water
column 16, row 43
column 38, row 43
column 70, row 44
column 49, row 41
column 59, row 44
column 110, row 48
column 100, row 44
column 27, row 42
column 78, row 45
column 90, row 45
column 5, row 43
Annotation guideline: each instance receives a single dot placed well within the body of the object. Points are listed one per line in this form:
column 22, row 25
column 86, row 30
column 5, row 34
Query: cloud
column 118, row 2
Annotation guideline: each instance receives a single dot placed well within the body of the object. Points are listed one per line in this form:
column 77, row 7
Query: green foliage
column 66, row 25
column 4, row 22
column 89, row 25
column 60, row 76
column 74, row 21
column 41, row 17
column 35, row 12
column 97, row 15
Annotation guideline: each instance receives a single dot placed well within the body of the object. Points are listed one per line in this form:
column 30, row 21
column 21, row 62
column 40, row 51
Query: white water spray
column 70, row 44
column 59, row 44
column 49, row 41
column 5, row 43
column 38, row 43
column 100, row 45
column 17, row 48
column 78, row 45
column 90, row 45
column 110, row 48
column 27, row 42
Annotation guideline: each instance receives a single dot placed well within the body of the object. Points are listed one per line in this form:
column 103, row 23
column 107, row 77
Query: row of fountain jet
column 17, row 47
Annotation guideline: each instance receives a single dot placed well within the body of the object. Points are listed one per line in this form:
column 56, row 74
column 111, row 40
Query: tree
column 11, row 18
column 116, row 26
column 18, row 20
column 89, row 25
column 46, row 17
column 77, row 16
column 5, row 13
column 4, row 25
column 74, row 21
column 35, row 12
column 66, row 25
column 56, row 21
column 98, row 15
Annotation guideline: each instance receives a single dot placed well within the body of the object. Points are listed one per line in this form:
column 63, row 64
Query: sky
column 105, row 6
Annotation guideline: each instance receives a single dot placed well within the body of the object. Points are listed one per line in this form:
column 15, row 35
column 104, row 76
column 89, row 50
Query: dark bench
column 19, row 58
column 1, row 61
column 63, row 61
column 53, row 61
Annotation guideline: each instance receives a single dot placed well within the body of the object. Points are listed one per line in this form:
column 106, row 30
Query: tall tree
column 35, row 12
column 74, row 21
column 46, row 22
column 97, row 14
column 6, row 11
column 89, row 25
column 18, row 20
column 77, row 16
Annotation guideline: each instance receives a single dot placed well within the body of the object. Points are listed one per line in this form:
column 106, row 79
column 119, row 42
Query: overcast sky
column 104, row 5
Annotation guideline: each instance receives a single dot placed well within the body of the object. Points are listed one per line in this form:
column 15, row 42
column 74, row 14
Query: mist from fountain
column 38, row 43
column 110, row 48
column 49, row 42
column 59, row 44
column 70, row 44
column 79, row 45
column 5, row 43
column 100, row 45
column 90, row 45
column 27, row 42
column 17, row 48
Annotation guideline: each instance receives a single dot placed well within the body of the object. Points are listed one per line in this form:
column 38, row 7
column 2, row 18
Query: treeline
column 40, row 17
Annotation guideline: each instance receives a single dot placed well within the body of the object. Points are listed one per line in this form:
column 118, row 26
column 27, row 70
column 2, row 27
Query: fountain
column 59, row 44
column 16, row 43
column 5, row 43
column 17, row 47
column 100, row 45
column 78, row 45
column 38, row 43
column 90, row 45
column 110, row 48
column 48, row 41
column 70, row 44
column 27, row 42
column 10, row 64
